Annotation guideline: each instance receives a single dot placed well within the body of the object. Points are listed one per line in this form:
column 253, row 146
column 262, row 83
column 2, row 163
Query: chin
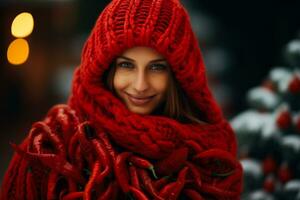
column 141, row 111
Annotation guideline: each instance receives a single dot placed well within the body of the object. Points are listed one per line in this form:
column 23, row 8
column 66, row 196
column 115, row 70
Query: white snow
column 292, row 141
column 281, row 77
column 260, row 195
column 252, row 166
column 292, row 185
column 294, row 46
column 279, row 73
column 284, row 84
column 270, row 130
column 263, row 98
column 249, row 121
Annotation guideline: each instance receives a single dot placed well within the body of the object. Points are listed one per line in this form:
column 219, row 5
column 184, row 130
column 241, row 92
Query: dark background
column 241, row 41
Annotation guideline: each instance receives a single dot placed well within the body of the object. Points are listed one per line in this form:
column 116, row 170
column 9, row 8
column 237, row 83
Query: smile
column 139, row 101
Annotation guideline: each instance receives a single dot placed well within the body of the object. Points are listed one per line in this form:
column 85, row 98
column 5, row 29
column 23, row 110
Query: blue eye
column 158, row 67
column 125, row 65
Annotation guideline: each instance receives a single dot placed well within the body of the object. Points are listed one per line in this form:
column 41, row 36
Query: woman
column 140, row 123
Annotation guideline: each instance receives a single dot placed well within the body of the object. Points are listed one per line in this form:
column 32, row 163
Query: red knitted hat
column 161, row 24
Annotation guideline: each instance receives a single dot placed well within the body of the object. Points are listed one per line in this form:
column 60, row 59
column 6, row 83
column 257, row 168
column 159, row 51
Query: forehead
column 141, row 52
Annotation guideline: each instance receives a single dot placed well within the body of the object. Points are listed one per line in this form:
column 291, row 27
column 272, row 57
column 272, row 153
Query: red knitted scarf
column 65, row 159
column 95, row 148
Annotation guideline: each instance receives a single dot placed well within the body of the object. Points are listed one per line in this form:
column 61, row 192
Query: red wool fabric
column 95, row 148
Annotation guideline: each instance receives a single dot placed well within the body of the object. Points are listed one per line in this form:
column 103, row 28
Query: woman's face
column 141, row 79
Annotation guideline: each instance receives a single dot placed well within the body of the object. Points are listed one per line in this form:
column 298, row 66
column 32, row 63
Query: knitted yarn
column 95, row 148
column 161, row 24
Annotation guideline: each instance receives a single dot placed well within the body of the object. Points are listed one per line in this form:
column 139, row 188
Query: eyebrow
column 156, row 60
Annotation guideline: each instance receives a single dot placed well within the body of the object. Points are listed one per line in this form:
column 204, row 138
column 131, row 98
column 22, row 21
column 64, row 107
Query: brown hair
column 176, row 106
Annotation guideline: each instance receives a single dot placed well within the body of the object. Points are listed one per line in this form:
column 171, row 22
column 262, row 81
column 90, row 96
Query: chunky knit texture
column 95, row 148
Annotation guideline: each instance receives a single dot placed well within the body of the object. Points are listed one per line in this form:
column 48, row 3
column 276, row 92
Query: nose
column 140, row 84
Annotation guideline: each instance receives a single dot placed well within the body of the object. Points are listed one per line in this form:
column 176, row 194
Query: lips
column 139, row 101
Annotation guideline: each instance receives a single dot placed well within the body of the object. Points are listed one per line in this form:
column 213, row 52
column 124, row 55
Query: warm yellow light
column 22, row 25
column 17, row 52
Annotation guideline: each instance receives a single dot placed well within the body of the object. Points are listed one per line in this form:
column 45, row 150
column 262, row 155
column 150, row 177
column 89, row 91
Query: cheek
column 160, row 83
column 120, row 81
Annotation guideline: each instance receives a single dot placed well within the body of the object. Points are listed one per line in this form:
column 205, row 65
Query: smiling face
column 141, row 79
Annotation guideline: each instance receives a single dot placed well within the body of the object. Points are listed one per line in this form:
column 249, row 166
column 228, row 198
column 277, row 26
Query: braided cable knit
column 95, row 148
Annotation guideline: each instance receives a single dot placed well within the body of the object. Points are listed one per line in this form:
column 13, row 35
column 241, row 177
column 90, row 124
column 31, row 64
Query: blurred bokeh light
column 22, row 26
column 17, row 52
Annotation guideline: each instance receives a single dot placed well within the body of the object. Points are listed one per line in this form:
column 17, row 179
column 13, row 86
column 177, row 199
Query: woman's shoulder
column 44, row 148
column 60, row 121
column 61, row 111
column 56, row 128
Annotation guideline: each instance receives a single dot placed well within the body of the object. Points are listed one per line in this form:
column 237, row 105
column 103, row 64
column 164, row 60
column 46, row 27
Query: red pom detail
column 269, row 184
column 284, row 120
column 284, row 173
column 269, row 165
column 294, row 85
